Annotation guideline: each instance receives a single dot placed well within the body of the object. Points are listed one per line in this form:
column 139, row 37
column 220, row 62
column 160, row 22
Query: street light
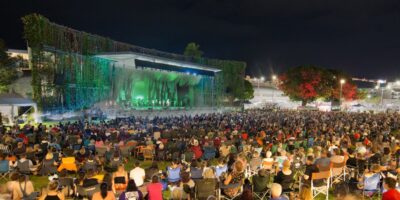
column 397, row 82
column 342, row 81
column 388, row 87
column 261, row 79
column 273, row 89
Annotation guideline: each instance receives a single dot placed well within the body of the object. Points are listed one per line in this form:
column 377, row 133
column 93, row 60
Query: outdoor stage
column 74, row 71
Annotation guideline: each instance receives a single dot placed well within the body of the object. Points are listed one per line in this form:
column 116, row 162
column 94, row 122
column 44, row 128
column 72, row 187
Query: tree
column 8, row 72
column 307, row 83
column 248, row 92
column 304, row 83
column 349, row 89
column 193, row 50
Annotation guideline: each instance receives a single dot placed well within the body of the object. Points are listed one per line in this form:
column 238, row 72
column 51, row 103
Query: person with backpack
column 131, row 192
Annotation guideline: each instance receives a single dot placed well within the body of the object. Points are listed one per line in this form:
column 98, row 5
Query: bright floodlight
column 397, row 82
column 262, row 78
column 388, row 87
column 381, row 81
column 273, row 77
column 342, row 81
column 377, row 87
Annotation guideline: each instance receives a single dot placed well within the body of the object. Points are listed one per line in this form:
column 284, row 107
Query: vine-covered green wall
column 61, row 55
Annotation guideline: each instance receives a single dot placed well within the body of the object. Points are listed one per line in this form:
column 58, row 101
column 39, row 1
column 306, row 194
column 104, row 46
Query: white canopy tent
column 9, row 104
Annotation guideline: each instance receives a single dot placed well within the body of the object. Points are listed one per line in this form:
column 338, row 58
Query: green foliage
column 230, row 80
column 232, row 76
column 4, row 59
column 248, row 90
column 8, row 72
column 193, row 50
column 362, row 94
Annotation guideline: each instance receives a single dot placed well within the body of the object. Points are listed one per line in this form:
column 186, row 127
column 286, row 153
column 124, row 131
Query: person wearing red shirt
column 357, row 136
column 244, row 135
column 154, row 189
column 390, row 186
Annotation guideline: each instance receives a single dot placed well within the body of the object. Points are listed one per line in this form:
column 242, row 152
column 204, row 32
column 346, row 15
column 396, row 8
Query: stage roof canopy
column 132, row 57
column 15, row 99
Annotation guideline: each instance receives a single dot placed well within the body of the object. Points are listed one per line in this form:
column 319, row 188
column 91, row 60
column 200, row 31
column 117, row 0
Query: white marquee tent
column 9, row 104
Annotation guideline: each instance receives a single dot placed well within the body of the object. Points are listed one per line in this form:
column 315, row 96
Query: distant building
column 266, row 93
column 394, row 90
column 21, row 86
column 17, row 52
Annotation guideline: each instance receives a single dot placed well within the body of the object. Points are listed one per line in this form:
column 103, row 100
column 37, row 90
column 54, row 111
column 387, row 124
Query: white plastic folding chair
column 338, row 172
column 250, row 172
column 323, row 186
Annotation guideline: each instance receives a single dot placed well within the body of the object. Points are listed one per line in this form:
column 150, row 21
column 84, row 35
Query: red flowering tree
column 305, row 83
column 349, row 91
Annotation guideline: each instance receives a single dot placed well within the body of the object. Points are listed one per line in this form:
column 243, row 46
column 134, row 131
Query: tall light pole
column 273, row 78
column 261, row 79
column 388, row 87
column 342, row 81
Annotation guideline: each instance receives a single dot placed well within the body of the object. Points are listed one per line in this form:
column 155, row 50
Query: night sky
column 361, row 37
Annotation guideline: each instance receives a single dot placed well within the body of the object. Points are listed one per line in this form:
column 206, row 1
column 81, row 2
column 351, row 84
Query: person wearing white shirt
column 137, row 174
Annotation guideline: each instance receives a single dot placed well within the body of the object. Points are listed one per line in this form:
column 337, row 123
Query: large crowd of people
column 256, row 154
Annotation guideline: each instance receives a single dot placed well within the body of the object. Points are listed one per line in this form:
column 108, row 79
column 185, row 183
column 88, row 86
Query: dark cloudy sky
column 361, row 37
